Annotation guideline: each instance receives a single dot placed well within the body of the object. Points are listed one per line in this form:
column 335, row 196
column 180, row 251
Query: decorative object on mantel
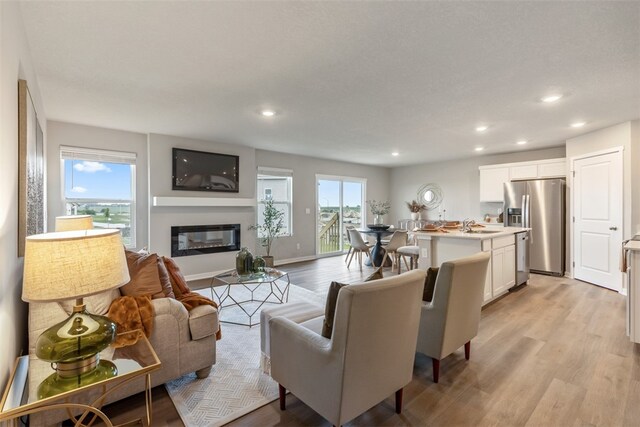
column 415, row 208
column 67, row 265
column 379, row 210
column 31, row 209
column 431, row 195
column 244, row 262
column 270, row 229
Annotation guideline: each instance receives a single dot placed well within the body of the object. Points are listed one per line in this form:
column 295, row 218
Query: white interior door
column 597, row 204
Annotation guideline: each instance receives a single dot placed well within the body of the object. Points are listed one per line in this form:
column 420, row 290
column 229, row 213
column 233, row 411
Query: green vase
column 259, row 264
column 244, row 262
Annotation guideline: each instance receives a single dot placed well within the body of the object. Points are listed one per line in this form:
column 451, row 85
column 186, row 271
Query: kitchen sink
column 484, row 231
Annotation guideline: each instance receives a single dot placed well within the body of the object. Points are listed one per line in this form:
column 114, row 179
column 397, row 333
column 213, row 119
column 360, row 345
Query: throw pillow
column 165, row 281
column 429, row 284
column 330, row 308
column 375, row 275
column 145, row 279
column 178, row 282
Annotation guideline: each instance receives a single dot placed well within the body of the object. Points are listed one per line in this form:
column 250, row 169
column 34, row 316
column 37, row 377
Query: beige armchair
column 451, row 319
column 369, row 356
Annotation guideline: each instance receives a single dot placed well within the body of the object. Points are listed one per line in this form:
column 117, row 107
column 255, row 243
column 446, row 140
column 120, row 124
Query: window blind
column 78, row 153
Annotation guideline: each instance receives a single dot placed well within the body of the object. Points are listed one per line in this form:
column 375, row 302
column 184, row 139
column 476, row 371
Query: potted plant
column 270, row 229
column 415, row 208
column 379, row 209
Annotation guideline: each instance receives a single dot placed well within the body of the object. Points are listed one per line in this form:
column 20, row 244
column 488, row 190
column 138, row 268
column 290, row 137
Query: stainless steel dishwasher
column 522, row 258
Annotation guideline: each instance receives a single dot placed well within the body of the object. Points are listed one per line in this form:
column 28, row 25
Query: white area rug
column 236, row 385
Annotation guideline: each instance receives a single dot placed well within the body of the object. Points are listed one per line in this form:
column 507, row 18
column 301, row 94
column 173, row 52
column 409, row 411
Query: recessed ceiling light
column 395, row 154
column 551, row 98
column 268, row 113
column 522, row 142
column 479, row 148
column 577, row 124
column 481, row 128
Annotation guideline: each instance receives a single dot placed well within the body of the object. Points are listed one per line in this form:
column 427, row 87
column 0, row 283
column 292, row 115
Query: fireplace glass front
column 204, row 239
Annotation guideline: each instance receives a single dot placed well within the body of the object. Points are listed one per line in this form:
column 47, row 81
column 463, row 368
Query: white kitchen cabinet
column 523, row 172
column 492, row 177
column 553, row 169
column 633, row 291
column 492, row 183
column 503, row 264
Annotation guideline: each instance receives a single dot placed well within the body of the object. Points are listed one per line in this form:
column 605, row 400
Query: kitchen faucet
column 466, row 225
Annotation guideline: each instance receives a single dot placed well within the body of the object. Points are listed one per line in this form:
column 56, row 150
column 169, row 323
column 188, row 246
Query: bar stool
column 413, row 252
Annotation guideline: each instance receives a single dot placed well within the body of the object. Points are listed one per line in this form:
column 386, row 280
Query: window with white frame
column 276, row 185
column 102, row 184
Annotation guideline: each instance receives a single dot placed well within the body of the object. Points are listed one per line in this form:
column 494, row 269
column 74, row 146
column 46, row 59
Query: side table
column 22, row 397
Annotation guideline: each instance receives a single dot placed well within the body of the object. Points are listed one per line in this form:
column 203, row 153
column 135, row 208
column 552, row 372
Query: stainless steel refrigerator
column 540, row 205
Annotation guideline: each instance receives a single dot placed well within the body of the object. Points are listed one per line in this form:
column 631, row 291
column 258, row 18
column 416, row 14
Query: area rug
column 236, row 385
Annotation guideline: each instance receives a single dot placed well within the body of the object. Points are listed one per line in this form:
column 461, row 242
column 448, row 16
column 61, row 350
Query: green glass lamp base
column 55, row 384
column 79, row 337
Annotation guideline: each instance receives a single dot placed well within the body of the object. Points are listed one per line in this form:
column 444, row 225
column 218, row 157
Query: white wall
column 304, row 194
column 15, row 63
column 162, row 218
column 460, row 183
column 70, row 134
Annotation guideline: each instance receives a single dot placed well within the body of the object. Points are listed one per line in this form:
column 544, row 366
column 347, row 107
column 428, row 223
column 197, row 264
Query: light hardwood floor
column 552, row 353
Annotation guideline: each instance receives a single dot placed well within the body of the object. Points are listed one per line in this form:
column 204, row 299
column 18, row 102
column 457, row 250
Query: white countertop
column 456, row 234
column 633, row 245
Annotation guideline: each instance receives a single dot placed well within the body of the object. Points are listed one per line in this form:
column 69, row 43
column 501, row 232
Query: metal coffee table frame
column 229, row 279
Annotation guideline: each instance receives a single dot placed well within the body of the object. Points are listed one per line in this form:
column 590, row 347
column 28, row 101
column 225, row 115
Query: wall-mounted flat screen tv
column 203, row 171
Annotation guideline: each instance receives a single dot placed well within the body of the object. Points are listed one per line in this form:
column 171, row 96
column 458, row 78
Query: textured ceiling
column 349, row 80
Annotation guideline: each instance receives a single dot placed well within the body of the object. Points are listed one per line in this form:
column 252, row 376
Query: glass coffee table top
column 240, row 297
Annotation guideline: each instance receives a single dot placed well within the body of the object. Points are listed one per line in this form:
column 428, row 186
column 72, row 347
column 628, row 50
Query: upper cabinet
column 491, row 183
column 492, row 177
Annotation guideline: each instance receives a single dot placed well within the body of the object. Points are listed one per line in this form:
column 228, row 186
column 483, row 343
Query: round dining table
column 377, row 253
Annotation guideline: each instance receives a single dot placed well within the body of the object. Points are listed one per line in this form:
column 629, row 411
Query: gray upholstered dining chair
column 358, row 246
column 369, row 356
column 451, row 319
column 398, row 239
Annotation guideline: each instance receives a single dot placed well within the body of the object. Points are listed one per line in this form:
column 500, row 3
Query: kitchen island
column 437, row 247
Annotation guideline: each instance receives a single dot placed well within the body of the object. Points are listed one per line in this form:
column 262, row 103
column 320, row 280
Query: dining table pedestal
column 377, row 252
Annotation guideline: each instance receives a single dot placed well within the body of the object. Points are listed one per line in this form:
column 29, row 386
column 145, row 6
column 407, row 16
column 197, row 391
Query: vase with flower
column 415, row 208
column 379, row 210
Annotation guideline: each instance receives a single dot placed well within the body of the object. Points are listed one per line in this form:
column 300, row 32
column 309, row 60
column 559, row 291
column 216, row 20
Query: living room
column 246, row 80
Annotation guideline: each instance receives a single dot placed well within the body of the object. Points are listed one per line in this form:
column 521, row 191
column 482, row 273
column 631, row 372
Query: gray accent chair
column 184, row 341
column 369, row 356
column 451, row 319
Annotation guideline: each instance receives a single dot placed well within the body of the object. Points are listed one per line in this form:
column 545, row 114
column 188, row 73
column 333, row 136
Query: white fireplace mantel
column 203, row 201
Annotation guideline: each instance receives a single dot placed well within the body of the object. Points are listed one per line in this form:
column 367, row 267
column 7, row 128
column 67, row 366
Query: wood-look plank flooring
column 552, row 353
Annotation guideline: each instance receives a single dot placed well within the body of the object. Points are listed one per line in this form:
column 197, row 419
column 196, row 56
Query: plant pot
column 415, row 216
column 268, row 260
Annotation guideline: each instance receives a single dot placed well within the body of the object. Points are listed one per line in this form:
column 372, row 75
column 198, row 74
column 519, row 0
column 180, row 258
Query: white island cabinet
column 438, row 247
column 633, row 291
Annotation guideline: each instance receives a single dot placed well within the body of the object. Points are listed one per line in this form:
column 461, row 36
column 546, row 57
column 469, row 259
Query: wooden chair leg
column 283, row 392
column 436, row 370
column 384, row 259
column 351, row 259
column 404, row 258
column 467, row 350
column 348, row 253
column 399, row 401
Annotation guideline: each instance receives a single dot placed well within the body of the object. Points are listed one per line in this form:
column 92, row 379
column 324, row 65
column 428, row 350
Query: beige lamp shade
column 74, row 222
column 73, row 264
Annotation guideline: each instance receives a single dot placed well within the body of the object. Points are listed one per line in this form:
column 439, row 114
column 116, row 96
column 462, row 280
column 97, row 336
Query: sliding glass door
column 340, row 203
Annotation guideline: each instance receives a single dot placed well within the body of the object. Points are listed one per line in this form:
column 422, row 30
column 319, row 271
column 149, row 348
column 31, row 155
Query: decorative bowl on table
column 382, row 227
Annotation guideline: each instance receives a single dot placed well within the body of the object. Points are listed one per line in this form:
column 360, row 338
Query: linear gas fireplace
column 204, row 239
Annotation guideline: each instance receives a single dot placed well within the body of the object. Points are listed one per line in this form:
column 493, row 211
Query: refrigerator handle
column 529, row 218
column 525, row 217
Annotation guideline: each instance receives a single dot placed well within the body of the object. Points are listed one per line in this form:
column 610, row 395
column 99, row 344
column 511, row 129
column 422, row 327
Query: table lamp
column 67, row 265
column 74, row 222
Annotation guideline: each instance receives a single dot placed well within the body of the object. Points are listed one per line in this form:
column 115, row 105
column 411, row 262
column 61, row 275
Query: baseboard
column 280, row 262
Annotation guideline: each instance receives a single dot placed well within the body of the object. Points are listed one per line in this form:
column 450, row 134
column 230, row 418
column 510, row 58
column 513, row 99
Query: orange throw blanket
column 130, row 314
column 182, row 291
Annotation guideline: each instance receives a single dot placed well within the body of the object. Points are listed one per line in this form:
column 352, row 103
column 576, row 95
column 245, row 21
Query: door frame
column 363, row 213
column 619, row 150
